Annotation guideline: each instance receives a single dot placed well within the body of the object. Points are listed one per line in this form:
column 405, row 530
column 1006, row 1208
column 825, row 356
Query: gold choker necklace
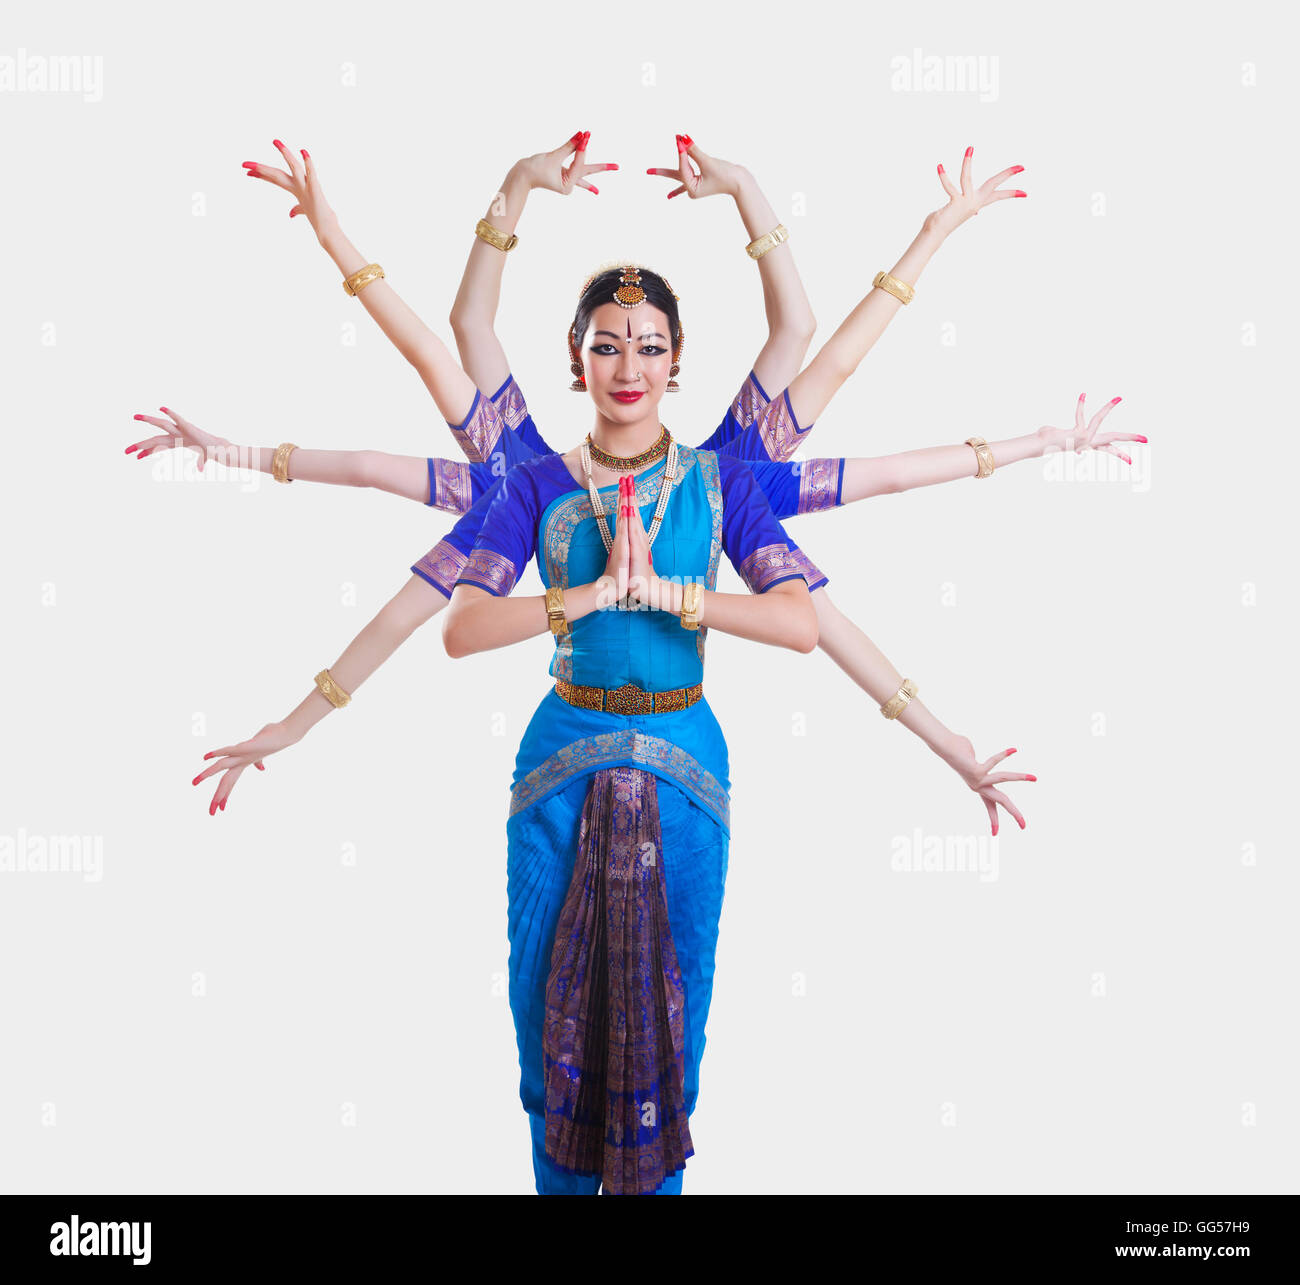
column 630, row 463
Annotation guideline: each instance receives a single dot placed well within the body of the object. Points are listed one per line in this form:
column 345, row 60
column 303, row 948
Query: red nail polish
column 689, row 141
column 649, row 171
column 137, row 416
column 250, row 165
column 940, row 169
column 1022, row 193
column 196, row 779
column 209, row 754
column 305, row 157
column 1011, row 751
column 222, row 804
column 1113, row 400
column 1017, row 169
column 595, row 191
column 1031, row 778
column 969, row 150
column 1143, row 440
column 277, row 142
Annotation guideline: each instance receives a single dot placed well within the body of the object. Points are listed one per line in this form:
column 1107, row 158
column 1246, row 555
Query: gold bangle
column 897, row 703
column 280, row 461
column 362, row 277
column 555, row 609
column 892, row 285
column 759, row 246
column 983, row 454
column 494, row 236
column 692, row 596
column 331, row 690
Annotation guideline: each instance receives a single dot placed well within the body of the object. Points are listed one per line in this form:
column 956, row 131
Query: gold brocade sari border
column 628, row 744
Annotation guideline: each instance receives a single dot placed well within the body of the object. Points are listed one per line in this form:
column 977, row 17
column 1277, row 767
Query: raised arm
column 395, row 622
column 790, row 320
column 452, row 389
column 811, row 390
column 473, row 315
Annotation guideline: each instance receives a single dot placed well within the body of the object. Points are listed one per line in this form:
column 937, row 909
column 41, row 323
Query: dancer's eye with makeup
column 648, row 350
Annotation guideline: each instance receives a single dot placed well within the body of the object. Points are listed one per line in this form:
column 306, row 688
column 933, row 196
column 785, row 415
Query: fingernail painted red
column 969, row 150
column 1031, row 778
column 1017, row 169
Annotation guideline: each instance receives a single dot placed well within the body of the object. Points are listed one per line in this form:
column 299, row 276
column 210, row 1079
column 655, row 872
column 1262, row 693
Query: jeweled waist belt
column 628, row 699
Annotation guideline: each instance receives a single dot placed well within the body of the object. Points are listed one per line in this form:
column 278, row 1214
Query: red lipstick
column 628, row 396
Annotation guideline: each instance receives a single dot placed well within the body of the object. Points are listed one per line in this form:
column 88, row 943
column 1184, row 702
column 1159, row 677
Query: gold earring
column 579, row 385
column 673, row 385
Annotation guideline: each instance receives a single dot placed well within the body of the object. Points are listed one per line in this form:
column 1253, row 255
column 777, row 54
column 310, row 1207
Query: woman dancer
column 619, row 818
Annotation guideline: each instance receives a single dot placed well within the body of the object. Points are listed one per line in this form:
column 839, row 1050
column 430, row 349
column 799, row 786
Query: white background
column 1113, row 1012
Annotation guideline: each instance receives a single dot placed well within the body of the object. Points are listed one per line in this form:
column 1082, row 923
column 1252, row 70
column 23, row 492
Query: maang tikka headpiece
column 629, row 294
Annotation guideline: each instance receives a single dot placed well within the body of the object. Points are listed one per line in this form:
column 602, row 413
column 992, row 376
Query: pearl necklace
column 665, row 489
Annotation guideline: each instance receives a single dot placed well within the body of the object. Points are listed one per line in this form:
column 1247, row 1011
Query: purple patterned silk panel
column 490, row 570
column 452, row 486
column 764, row 565
column 749, row 403
column 614, row 1025
column 777, row 430
column 510, row 404
column 480, row 432
column 443, row 565
column 818, row 482
column 811, row 572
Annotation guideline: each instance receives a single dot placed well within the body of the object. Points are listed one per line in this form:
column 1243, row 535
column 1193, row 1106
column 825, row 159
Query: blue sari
column 619, row 825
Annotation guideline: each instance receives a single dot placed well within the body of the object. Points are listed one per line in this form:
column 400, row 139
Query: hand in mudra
column 618, row 564
column 983, row 780
column 714, row 175
column 548, row 170
column 301, row 182
column 233, row 759
column 1083, row 437
column 968, row 200
column 177, row 432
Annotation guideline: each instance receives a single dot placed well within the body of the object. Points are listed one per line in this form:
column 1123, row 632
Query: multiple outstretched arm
column 484, row 364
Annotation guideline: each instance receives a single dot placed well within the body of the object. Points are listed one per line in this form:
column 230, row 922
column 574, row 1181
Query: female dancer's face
column 627, row 350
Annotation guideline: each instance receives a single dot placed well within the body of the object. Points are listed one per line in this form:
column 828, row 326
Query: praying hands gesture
column 629, row 569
